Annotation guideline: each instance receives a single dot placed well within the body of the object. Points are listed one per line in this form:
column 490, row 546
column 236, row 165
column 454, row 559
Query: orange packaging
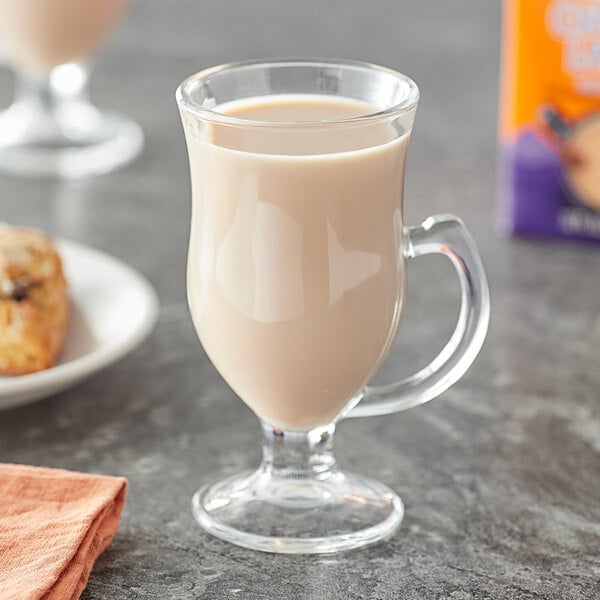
column 550, row 118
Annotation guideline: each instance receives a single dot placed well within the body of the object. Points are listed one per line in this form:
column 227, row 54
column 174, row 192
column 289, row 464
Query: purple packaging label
column 538, row 175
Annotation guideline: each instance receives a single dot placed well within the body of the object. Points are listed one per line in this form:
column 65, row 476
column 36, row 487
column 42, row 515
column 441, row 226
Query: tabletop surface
column 500, row 476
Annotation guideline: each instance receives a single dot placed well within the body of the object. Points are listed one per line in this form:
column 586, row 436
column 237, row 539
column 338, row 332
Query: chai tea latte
column 295, row 271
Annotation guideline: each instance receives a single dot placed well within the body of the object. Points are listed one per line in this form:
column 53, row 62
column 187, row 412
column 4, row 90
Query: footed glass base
column 80, row 143
column 298, row 517
column 53, row 130
column 297, row 506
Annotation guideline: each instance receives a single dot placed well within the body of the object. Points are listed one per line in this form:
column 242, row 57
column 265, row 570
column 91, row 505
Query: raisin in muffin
column 34, row 308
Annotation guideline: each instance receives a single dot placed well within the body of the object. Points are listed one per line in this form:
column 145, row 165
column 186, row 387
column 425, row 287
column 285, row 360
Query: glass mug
column 296, row 281
column 52, row 129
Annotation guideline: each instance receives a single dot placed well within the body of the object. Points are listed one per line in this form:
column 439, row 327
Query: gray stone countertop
column 500, row 476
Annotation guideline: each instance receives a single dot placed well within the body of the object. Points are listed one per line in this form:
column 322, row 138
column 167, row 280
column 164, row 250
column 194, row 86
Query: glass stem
column 299, row 454
column 48, row 91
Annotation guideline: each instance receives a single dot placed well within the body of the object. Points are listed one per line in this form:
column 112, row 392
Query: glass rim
column 185, row 101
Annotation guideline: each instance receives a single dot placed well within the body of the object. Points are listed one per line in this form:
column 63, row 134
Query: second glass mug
column 296, row 281
column 52, row 129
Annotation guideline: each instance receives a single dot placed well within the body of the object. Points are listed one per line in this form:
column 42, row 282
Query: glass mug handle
column 447, row 235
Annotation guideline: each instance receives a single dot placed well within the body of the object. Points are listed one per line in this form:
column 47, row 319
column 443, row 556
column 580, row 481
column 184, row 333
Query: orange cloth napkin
column 53, row 526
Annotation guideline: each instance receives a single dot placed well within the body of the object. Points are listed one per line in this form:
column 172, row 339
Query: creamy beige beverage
column 295, row 272
column 46, row 33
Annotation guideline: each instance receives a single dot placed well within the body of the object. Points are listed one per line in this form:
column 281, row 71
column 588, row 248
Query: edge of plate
column 83, row 366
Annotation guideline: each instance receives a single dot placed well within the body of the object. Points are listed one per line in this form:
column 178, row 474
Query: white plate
column 113, row 308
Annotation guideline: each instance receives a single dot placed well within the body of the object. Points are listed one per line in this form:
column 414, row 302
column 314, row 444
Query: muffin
column 34, row 307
